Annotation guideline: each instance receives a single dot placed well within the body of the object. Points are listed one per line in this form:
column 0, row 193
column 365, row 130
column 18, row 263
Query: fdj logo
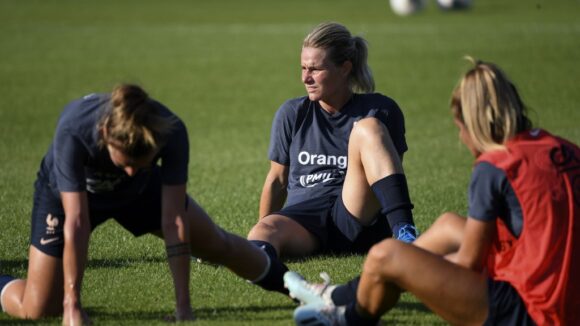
column 51, row 223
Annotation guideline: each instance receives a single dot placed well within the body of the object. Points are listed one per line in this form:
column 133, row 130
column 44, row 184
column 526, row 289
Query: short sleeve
column 396, row 126
column 281, row 134
column 175, row 156
column 486, row 198
column 391, row 115
column 69, row 156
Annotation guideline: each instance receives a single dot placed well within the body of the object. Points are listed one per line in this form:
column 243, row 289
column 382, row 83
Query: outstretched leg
column 243, row 257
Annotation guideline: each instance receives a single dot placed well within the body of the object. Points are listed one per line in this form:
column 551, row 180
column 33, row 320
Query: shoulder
column 378, row 100
column 484, row 170
column 488, row 177
column 381, row 106
column 290, row 109
column 83, row 113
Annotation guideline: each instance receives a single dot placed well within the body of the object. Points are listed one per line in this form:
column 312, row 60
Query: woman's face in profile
column 465, row 137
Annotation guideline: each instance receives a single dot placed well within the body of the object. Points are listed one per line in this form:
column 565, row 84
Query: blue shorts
column 506, row 307
column 139, row 214
column 335, row 228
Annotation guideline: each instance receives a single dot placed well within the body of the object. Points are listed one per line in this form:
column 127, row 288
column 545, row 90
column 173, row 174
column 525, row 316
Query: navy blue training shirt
column 75, row 162
column 314, row 143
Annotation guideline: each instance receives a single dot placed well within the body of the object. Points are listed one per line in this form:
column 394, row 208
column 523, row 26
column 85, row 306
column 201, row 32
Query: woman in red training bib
column 514, row 258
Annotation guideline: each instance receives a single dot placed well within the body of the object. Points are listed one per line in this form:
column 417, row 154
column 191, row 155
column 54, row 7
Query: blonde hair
column 489, row 106
column 341, row 46
column 132, row 123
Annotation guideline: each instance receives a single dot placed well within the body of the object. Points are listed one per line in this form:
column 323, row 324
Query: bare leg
column 41, row 294
column 455, row 293
column 211, row 243
column 444, row 236
column 371, row 157
column 287, row 236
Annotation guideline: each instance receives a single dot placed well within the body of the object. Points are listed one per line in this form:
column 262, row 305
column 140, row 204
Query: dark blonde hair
column 132, row 123
column 489, row 106
column 341, row 46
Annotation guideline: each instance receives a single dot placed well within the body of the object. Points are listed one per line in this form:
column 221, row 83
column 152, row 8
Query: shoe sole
column 295, row 285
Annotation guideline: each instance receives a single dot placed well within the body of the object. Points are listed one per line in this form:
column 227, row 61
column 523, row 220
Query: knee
column 263, row 230
column 367, row 128
column 382, row 257
column 450, row 224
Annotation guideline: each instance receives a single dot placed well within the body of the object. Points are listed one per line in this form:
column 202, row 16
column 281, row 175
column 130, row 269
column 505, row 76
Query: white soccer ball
column 454, row 4
column 406, row 7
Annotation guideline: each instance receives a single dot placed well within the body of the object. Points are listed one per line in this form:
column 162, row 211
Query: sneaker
column 407, row 233
column 308, row 293
column 320, row 315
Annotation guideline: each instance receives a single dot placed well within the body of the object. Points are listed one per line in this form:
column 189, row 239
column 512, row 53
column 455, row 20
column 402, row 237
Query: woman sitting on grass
column 515, row 256
column 336, row 182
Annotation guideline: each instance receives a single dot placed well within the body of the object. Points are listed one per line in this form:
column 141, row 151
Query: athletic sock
column 4, row 280
column 354, row 318
column 393, row 194
column 345, row 294
column 273, row 278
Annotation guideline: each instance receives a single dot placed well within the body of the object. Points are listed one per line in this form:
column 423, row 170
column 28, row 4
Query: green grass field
column 225, row 66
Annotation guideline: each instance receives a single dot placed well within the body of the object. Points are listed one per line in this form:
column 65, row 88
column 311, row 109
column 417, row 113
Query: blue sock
column 354, row 318
column 273, row 280
column 393, row 194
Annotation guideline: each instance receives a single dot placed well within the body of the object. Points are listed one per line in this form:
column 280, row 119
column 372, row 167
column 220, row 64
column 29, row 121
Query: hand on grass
column 181, row 315
column 74, row 315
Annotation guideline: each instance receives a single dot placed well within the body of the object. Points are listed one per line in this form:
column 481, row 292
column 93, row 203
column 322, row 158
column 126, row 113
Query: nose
column 131, row 171
column 306, row 76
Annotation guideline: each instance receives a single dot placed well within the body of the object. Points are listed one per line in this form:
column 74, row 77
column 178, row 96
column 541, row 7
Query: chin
column 313, row 97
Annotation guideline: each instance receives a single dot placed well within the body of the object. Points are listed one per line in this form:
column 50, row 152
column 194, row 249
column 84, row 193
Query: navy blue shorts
column 506, row 307
column 140, row 214
column 335, row 228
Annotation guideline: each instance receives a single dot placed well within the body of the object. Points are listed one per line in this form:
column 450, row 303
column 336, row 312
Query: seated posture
column 336, row 183
column 103, row 163
column 512, row 261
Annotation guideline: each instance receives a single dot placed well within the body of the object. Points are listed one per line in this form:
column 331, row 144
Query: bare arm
column 76, row 242
column 475, row 244
column 274, row 191
column 175, row 228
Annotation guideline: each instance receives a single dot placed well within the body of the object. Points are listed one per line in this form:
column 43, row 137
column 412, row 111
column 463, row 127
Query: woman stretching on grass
column 101, row 164
column 336, row 181
column 515, row 260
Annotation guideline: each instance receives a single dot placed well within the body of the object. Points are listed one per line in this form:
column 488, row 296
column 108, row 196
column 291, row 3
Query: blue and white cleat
column 308, row 293
column 407, row 233
column 316, row 314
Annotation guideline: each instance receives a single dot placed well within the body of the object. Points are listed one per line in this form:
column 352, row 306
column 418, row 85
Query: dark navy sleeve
column 393, row 118
column 281, row 133
column 69, row 156
column 396, row 127
column 175, row 155
column 486, row 198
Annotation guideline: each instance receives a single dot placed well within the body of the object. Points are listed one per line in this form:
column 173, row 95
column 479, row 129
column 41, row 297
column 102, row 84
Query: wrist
column 178, row 249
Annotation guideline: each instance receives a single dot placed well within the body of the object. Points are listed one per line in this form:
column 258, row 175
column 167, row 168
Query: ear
column 346, row 68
